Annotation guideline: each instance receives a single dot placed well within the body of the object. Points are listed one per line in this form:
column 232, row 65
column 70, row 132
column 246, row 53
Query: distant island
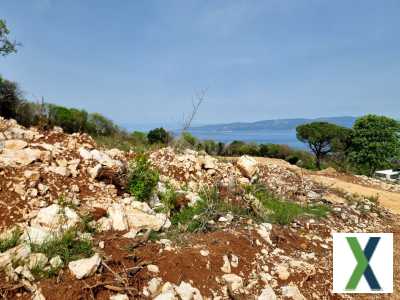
column 280, row 131
column 278, row 124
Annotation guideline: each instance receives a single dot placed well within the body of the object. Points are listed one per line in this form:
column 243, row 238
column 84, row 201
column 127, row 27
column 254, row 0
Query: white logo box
column 344, row 262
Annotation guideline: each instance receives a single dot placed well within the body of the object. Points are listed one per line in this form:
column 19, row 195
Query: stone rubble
column 54, row 179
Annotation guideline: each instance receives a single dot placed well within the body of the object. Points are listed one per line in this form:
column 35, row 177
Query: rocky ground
column 70, row 230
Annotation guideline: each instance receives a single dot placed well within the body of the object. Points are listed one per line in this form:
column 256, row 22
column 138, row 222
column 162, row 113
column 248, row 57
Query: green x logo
column 363, row 267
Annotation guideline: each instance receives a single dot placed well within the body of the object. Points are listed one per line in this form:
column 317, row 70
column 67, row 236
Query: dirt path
column 387, row 199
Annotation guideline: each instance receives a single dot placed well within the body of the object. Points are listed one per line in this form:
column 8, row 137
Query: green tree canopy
column 10, row 98
column 6, row 46
column 321, row 137
column 99, row 125
column 375, row 143
column 158, row 135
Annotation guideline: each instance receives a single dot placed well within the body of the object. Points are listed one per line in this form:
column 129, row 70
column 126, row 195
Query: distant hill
column 279, row 124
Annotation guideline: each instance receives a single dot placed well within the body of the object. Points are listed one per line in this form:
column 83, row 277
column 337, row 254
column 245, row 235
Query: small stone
column 283, row 272
column 85, row 267
column 267, row 294
column 56, row 262
column 153, row 268
column 233, row 281
column 95, row 171
column 226, row 267
column 37, row 260
column 119, row 297
column 292, row 292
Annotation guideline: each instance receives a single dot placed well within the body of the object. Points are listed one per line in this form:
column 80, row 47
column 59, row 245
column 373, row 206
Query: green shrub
column 10, row 98
column 190, row 139
column 142, row 178
column 168, row 199
column 139, row 138
column 197, row 218
column 282, row 211
column 159, row 136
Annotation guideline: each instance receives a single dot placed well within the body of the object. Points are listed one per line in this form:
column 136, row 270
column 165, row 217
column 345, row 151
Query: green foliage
column 98, row 125
column 190, row 139
column 197, row 218
column 86, row 224
column 65, row 202
column 375, row 143
column 6, row 46
column 70, row 119
column 237, row 148
column 43, row 273
column 139, row 138
column 321, row 138
column 168, row 199
column 142, row 179
column 159, row 136
column 10, row 98
column 275, row 151
column 282, row 211
column 11, row 240
column 68, row 246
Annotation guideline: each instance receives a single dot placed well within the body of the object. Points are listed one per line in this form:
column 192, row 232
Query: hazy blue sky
column 142, row 61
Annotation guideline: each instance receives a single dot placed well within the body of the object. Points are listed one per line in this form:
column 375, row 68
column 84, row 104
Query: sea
column 286, row 137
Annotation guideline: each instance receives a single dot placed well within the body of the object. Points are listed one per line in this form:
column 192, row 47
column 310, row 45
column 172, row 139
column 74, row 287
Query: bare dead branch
column 195, row 108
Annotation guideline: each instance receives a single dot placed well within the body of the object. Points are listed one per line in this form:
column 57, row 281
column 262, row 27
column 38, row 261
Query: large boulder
column 22, row 157
column 139, row 219
column 55, row 218
column 117, row 215
column 35, row 235
column 15, row 144
column 247, row 166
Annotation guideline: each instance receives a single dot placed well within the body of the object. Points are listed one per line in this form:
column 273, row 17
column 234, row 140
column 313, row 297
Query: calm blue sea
column 287, row 137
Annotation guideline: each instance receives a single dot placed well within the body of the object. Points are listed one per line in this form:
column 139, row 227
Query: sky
column 143, row 62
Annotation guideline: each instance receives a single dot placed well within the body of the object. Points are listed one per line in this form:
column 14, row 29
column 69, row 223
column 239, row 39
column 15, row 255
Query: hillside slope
column 70, row 230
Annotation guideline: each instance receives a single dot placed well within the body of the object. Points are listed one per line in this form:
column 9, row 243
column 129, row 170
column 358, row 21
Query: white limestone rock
column 85, row 267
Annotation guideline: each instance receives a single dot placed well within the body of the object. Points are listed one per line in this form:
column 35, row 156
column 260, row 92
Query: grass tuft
column 10, row 241
column 68, row 246
column 282, row 211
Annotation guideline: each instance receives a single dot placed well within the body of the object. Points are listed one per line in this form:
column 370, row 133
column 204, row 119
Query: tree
column 320, row 137
column 10, row 98
column 99, row 125
column 6, row 46
column 158, row 135
column 375, row 143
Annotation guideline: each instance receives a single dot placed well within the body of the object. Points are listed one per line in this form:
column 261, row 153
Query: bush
column 168, row 199
column 99, row 125
column 69, row 119
column 159, row 135
column 211, row 206
column 139, row 138
column 10, row 98
column 142, row 179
